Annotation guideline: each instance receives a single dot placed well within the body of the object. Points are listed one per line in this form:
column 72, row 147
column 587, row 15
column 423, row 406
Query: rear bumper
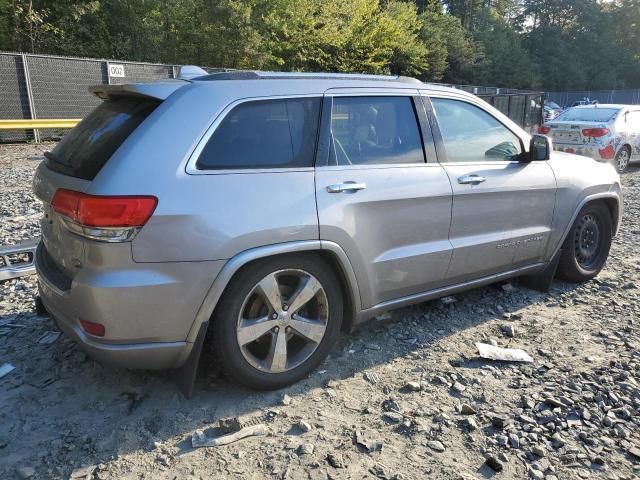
column 146, row 356
column 147, row 309
column 592, row 151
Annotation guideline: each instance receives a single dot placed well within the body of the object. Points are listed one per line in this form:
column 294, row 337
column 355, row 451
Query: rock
column 471, row 423
column 466, row 409
column 509, row 330
column 538, row 450
column 536, row 474
column 458, row 387
column 372, row 346
column 304, row 426
column 554, row 402
column 412, row 387
column 435, row 445
column 306, row 449
column 370, row 445
column 286, row 400
column 514, row 441
column 393, row 417
column 502, row 440
column 26, row 472
column 527, row 419
column 335, row 460
column 494, row 464
column 557, row 440
column 499, row 421
column 82, row 473
column 634, row 452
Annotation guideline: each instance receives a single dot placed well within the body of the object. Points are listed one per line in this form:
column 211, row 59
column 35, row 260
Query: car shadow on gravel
column 90, row 414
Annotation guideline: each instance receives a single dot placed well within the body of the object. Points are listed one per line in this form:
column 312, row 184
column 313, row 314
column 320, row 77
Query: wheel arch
column 328, row 251
column 613, row 202
column 627, row 146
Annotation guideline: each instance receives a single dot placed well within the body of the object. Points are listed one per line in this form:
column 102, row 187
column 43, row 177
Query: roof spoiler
column 157, row 90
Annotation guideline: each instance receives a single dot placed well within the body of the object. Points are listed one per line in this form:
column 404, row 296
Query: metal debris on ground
column 6, row 369
column 199, row 439
column 48, row 338
column 371, row 377
column 503, row 354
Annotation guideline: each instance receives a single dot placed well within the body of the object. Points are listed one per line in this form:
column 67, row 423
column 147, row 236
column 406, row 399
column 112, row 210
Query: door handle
column 346, row 187
column 471, row 179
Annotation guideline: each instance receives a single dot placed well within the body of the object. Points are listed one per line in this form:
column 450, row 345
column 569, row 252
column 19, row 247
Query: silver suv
column 256, row 215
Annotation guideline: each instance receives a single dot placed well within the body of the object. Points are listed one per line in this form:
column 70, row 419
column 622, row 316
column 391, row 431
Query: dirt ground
column 410, row 387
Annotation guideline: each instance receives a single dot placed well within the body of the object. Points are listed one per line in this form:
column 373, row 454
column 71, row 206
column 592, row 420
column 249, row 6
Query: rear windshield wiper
column 54, row 158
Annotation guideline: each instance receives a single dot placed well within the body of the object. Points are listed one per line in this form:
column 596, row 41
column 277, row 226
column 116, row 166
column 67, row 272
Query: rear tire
column 586, row 248
column 623, row 157
column 276, row 321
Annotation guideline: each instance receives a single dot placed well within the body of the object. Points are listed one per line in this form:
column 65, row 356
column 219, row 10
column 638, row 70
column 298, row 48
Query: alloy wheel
column 622, row 159
column 282, row 321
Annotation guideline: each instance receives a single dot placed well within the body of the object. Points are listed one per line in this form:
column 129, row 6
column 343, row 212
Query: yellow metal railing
column 38, row 123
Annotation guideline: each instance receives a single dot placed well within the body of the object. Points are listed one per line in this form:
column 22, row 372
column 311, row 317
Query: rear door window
column 87, row 148
column 259, row 134
column 374, row 130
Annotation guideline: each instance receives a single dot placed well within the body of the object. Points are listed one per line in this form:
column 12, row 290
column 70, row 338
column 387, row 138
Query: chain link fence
column 622, row 97
column 47, row 86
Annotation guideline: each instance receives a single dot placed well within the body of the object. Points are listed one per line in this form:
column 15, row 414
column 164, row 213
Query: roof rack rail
column 260, row 75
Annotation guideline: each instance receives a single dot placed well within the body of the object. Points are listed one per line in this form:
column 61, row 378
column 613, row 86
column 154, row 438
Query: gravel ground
column 405, row 397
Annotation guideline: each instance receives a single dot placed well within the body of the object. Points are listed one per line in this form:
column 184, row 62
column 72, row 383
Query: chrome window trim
column 191, row 167
column 374, row 166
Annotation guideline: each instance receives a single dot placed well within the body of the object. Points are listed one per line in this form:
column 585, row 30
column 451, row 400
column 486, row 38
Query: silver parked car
column 257, row 215
column 608, row 133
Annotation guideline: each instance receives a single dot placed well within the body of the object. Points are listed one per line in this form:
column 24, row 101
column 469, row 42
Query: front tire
column 586, row 248
column 276, row 321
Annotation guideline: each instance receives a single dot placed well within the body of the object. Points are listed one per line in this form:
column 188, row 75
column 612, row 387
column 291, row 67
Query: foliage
column 540, row 44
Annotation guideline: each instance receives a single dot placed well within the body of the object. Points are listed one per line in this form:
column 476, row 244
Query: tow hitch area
column 18, row 260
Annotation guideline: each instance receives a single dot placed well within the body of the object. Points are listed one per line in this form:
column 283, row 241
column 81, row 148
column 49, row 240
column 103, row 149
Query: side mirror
column 540, row 147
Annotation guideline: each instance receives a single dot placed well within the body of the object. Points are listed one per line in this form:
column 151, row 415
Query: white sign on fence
column 116, row 70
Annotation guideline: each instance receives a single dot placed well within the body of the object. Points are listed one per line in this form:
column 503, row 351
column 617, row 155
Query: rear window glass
column 594, row 114
column 85, row 149
column 264, row 134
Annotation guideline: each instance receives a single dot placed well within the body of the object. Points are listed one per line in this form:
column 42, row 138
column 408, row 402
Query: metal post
column 108, row 76
column 32, row 108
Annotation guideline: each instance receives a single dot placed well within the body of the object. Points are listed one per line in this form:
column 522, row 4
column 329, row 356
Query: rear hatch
column 78, row 158
column 573, row 133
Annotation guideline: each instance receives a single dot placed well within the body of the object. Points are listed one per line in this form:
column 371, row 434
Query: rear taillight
column 594, row 132
column 544, row 129
column 106, row 218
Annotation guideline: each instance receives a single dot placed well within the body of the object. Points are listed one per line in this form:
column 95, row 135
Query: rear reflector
column 104, row 211
column 607, row 152
column 96, row 329
column 595, row 132
column 544, row 129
